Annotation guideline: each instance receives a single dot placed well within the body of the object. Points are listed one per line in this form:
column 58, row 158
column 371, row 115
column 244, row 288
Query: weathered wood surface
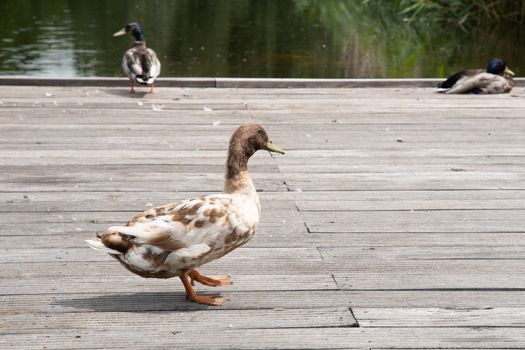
column 395, row 220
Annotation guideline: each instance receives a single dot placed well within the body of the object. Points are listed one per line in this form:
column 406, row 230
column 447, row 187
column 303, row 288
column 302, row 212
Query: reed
column 419, row 38
column 467, row 15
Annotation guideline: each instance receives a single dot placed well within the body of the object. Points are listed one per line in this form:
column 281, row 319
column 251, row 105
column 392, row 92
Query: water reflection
column 239, row 38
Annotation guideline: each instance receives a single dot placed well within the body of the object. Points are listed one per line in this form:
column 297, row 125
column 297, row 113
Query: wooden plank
column 299, row 298
column 428, row 280
column 273, row 223
column 280, row 118
column 135, row 284
column 138, row 174
column 174, row 300
column 416, row 221
column 448, row 268
column 495, row 152
column 93, row 103
column 483, row 271
column 438, row 317
column 380, row 158
column 115, row 201
column 406, row 181
column 107, row 199
column 408, row 205
column 36, row 157
column 123, row 201
column 143, row 170
column 296, row 338
column 188, row 321
column 202, row 183
column 390, row 167
column 264, row 103
column 152, row 145
column 362, row 156
column 440, row 133
column 413, row 240
column 472, row 251
column 212, row 137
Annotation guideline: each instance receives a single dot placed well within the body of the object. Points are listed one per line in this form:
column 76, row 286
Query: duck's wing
column 154, row 66
column 131, row 64
column 457, row 78
column 162, row 242
column 141, row 64
column 476, row 84
column 193, row 224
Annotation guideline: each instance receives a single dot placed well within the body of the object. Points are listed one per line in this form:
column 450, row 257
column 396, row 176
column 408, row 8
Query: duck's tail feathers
column 453, row 79
column 144, row 80
column 98, row 245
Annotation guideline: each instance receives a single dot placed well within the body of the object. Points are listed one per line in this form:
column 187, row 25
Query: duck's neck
column 138, row 35
column 237, row 177
column 139, row 44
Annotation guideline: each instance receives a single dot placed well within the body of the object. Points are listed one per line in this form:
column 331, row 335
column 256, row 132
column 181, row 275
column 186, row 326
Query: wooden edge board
column 205, row 82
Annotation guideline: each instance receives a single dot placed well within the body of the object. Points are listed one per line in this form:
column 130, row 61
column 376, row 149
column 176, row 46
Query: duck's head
column 250, row 138
column 134, row 29
column 245, row 141
column 497, row 66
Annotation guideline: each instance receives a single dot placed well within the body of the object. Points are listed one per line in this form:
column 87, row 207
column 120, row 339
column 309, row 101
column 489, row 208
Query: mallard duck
column 497, row 79
column 176, row 238
column 140, row 63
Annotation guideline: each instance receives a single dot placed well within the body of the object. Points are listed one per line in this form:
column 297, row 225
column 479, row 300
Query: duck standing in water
column 497, row 79
column 140, row 63
column 174, row 239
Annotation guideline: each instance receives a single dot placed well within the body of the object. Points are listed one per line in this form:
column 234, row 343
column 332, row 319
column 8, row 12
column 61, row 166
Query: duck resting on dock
column 140, row 63
column 497, row 79
column 176, row 238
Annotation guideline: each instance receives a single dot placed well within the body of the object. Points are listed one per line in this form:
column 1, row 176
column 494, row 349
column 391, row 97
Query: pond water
column 238, row 38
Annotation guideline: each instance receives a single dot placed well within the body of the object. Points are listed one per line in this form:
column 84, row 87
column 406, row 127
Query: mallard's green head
column 497, row 66
column 134, row 29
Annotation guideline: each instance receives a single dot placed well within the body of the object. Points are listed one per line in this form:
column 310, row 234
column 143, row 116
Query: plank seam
column 355, row 318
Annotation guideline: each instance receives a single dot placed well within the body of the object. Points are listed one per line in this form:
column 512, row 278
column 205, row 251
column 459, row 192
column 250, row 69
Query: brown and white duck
column 176, row 238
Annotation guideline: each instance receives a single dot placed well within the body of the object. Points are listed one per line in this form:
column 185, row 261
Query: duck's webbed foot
column 208, row 281
column 152, row 89
column 201, row 299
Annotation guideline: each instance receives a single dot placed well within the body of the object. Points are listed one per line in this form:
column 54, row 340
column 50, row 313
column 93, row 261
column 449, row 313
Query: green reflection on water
column 242, row 38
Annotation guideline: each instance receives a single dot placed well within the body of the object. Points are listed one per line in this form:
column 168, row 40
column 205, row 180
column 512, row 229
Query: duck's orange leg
column 201, row 299
column 132, row 91
column 152, row 89
column 208, row 281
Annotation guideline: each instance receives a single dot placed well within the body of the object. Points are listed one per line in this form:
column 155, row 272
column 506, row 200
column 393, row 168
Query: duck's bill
column 509, row 72
column 273, row 148
column 120, row 32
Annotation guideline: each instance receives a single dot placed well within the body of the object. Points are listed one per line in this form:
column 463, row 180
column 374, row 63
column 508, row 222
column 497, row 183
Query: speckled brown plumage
column 176, row 238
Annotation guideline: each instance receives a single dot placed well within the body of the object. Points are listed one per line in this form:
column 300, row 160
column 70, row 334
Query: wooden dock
column 395, row 220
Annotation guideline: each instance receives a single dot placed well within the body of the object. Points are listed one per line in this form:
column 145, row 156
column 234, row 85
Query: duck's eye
column 259, row 131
